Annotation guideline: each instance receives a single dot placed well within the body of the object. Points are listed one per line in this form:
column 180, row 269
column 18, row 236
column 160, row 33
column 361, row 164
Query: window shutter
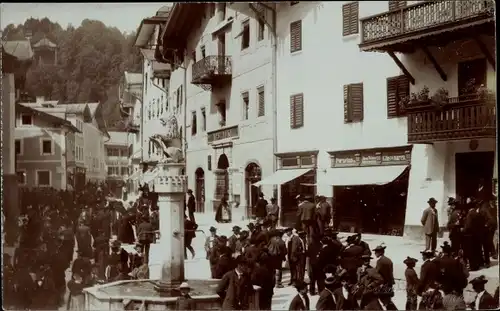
column 392, row 96
column 296, row 36
column 356, row 99
column 262, row 105
column 296, row 111
column 347, row 105
column 396, row 5
column 292, row 112
column 346, row 10
column 354, row 18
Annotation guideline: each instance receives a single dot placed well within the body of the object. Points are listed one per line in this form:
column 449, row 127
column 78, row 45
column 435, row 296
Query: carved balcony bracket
column 486, row 52
column 402, row 67
column 438, row 68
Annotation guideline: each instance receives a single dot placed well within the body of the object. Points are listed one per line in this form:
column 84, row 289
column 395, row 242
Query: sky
column 124, row 16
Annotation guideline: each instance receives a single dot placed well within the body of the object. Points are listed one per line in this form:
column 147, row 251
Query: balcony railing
column 461, row 118
column 428, row 16
column 212, row 69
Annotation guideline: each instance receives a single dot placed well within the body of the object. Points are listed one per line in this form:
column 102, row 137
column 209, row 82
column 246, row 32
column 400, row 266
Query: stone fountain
column 161, row 293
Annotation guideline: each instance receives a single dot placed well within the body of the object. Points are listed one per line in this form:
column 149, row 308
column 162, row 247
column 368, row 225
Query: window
column 161, row 106
column 261, row 103
column 21, row 177
column 246, row 105
column 471, row 74
column 203, row 120
column 350, row 18
column 203, row 55
column 112, row 152
column 353, row 103
column 396, row 5
column 124, row 171
column 113, row 170
column 245, row 35
column 221, row 107
column 193, row 56
column 262, row 28
column 26, row 119
column 296, row 36
column 179, row 97
column 194, row 125
column 146, row 82
column 43, row 178
column 397, row 89
column 19, row 146
column 296, row 111
column 46, row 146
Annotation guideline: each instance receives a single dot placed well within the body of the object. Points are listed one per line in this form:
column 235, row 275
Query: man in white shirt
column 483, row 300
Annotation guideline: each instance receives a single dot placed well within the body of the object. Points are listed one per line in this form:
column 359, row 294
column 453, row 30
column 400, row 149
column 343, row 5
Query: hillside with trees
column 91, row 60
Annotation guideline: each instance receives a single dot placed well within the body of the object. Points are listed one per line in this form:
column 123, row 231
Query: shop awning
column 282, row 176
column 364, row 175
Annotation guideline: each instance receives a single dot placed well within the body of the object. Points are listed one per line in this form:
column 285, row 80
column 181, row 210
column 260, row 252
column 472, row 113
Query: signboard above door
column 371, row 157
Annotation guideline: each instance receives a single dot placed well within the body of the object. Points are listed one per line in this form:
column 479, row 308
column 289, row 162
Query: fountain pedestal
column 160, row 294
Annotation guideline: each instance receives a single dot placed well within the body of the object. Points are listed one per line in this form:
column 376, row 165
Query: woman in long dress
column 223, row 213
column 76, row 301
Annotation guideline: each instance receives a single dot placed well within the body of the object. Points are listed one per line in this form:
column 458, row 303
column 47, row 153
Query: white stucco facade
column 328, row 61
column 94, row 139
column 251, row 74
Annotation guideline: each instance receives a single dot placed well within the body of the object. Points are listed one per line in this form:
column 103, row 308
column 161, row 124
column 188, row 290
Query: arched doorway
column 221, row 179
column 200, row 190
column 253, row 174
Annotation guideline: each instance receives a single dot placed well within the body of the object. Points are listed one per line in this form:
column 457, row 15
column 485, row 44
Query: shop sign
column 225, row 133
column 400, row 156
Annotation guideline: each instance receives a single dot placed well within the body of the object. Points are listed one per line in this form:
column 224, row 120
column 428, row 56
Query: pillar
column 170, row 186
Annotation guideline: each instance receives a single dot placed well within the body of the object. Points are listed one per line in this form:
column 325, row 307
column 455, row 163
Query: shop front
column 370, row 189
column 296, row 175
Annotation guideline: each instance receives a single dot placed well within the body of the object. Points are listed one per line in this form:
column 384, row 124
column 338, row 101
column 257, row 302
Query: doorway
column 472, row 170
column 253, row 174
column 221, row 180
column 200, row 190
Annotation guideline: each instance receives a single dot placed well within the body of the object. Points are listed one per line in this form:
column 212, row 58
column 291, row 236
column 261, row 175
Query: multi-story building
column 155, row 96
column 446, row 51
column 222, row 80
column 16, row 59
column 94, row 137
column 131, row 105
column 42, row 145
column 117, row 162
column 352, row 127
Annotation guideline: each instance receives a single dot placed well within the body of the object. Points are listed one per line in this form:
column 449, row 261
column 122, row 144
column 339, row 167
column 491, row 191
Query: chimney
column 40, row 99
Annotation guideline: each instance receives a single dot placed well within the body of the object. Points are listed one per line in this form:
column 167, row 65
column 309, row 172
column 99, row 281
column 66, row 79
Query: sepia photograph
column 275, row 155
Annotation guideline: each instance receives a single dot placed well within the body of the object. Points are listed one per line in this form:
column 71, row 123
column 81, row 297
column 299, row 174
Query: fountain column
column 170, row 185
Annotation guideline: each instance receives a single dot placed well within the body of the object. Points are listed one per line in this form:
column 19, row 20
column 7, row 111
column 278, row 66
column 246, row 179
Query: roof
column 21, row 49
column 159, row 67
column 164, row 10
column 45, row 42
column 48, row 116
column 118, row 138
column 80, row 109
column 147, row 28
column 93, row 108
column 181, row 21
column 133, row 78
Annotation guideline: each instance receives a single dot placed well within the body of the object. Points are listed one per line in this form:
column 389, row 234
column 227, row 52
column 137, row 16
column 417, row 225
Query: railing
column 423, row 16
column 459, row 119
column 210, row 66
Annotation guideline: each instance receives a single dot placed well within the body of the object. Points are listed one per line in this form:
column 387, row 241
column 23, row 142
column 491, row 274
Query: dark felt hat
column 223, row 238
column 428, row 252
column 446, row 247
column 351, row 239
column 409, row 260
column 366, row 257
column 432, row 200
column 189, row 191
column 379, row 248
column 479, row 280
column 451, row 201
column 236, row 228
column 213, row 229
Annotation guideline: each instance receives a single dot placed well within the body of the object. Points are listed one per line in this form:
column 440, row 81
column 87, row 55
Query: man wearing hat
column 384, row 266
column 185, row 301
column 483, row 300
column 273, row 213
column 324, row 212
column 455, row 225
column 211, row 241
column 216, row 252
column 451, row 272
column 429, row 272
column 369, row 278
column 235, row 288
column 412, row 282
column 431, row 224
column 351, row 259
column 327, row 299
column 191, row 204
column 344, row 297
column 307, row 216
column 261, row 208
column 301, row 301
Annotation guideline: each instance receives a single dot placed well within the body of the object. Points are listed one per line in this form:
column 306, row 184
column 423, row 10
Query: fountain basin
column 111, row 296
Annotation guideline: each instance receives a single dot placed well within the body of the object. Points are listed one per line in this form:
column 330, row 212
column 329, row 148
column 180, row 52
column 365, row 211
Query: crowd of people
column 55, row 223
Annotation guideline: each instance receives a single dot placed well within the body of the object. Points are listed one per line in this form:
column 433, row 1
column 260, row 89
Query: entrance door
column 200, row 190
column 252, row 175
column 473, row 169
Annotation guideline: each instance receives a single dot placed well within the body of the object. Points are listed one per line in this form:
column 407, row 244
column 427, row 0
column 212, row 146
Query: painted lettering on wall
column 230, row 132
column 399, row 156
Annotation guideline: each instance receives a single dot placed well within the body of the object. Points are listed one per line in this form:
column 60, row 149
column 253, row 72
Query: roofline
column 64, row 123
column 173, row 23
column 154, row 20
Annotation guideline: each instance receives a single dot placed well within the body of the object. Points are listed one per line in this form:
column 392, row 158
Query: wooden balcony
column 467, row 117
column 214, row 70
column 427, row 23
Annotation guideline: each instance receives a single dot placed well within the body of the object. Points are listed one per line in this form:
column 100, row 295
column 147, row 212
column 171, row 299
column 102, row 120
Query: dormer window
column 26, row 119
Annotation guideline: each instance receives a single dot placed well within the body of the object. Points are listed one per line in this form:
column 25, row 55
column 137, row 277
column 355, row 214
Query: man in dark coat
column 84, row 239
column 307, row 216
column 225, row 262
column 327, row 300
column 474, row 229
column 296, row 257
column 125, row 229
column 261, row 208
column 301, row 301
column 483, row 300
column 82, row 265
column 215, row 253
column 189, row 234
column 451, row 274
column 384, row 266
column 262, row 276
column 366, row 248
column 235, row 288
column 431, row 225
column 145, row 235
column 351, row 259
column 234, row 238
column 277, row 254
column 324, row 213
column 429, row 272
column 345, row 300
column 191, row 205
column 455, row 225
column 314, row 270
column 412, row 283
